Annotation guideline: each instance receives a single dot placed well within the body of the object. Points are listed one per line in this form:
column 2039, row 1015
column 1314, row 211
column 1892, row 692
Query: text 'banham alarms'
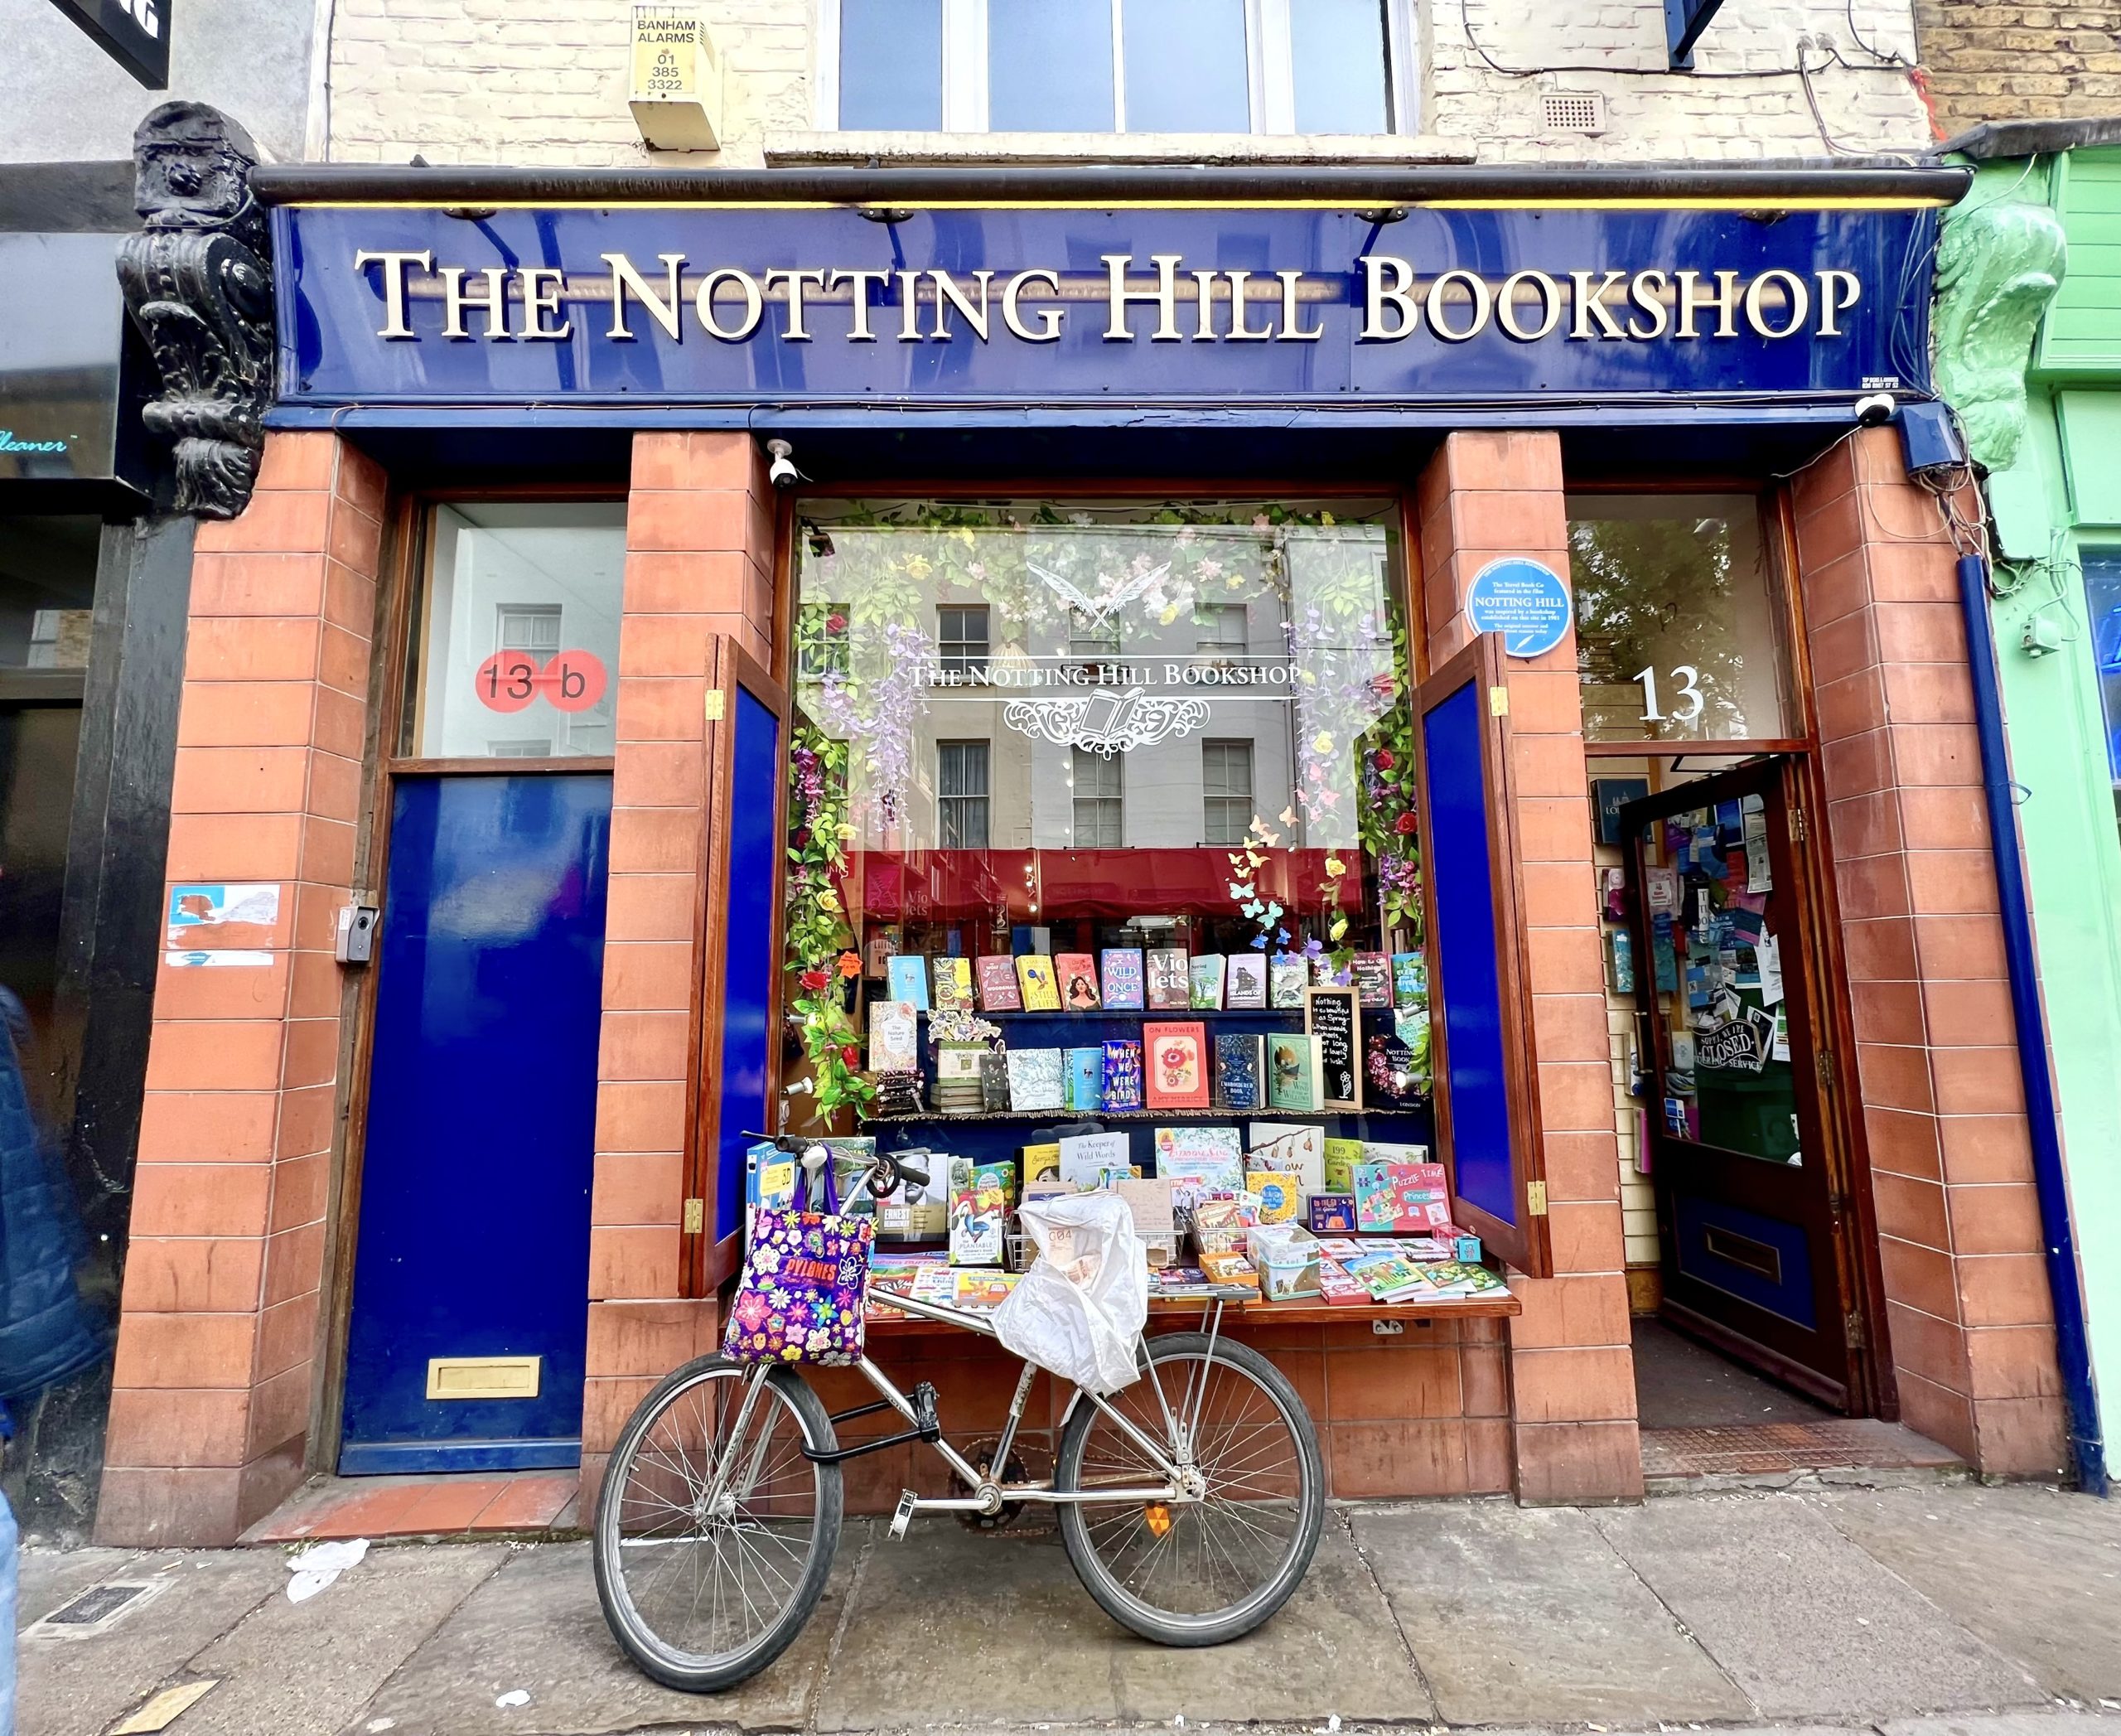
column 1169, row 302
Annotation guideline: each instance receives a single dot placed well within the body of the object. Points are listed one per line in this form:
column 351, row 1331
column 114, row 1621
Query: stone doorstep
column 535, row 1503
column 1780, row 1455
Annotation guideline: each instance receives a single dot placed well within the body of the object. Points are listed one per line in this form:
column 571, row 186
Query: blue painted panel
column 482, row 1101
column 1469, row 1008
column 1790, row 1297
column 331, row 315
column 748, row 972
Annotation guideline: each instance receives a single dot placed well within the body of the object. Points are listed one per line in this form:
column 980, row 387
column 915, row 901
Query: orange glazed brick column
column 699, row 565
column 1484, row 497
column 1968, row 1307
column 213, row 1376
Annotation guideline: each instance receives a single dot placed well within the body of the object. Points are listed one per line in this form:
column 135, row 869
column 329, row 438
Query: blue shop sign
column 742, row 304
column 1524, row 601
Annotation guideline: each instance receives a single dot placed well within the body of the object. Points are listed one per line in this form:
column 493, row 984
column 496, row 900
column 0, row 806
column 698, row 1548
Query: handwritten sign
column 1330, row 1015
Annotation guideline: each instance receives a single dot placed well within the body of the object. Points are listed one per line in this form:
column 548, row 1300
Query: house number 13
column 1690, row 700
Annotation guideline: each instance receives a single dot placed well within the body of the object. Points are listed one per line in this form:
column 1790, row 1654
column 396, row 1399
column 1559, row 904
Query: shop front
column 1100, row 673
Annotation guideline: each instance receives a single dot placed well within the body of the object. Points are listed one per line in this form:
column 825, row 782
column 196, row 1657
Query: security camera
column 1873, row 410
column 782, row 472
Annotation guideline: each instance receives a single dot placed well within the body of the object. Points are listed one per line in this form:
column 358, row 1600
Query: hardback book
column 908, row 977
column 1296, row 1145
column 1083, row 1080
column 979, row 1207
column 1324, row 974
column 1201, row 1159
column 953, row 984
column 1170, row 986
column 1409, row 982
column 1122, row 1076
column 1240, row 1066
column 1076, row 972
column 1281, row 1194
column 1041, row 1163
column 1035, row 1079
column 958, row 1090
column 1390, row 1078
column 1175, row 1066
column 1121, row 968
column 1342, row 1157
column 1373, row 978
column 1287, row 979
column 894, row 1037
column 1293, row 1067
column 1245, row 986
column 997, row 984
column 1204, row 972
column 1085, row 1158
column 994, row 1082
column 1035, row 980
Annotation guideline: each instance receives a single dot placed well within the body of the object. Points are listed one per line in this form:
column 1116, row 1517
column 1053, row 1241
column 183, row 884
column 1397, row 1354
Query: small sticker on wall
column 241, row 959
column 221, row 924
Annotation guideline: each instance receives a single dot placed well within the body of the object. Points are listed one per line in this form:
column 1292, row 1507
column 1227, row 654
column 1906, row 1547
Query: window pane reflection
column 890, row 65
column 1049, row 66
column 1338, row 59
column 1206, row 38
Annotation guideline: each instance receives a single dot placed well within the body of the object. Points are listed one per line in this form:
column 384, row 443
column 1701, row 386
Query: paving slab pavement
column 50, row 1577
column 1527, row 1615
column 1803, row 1620
column 2048, row 1587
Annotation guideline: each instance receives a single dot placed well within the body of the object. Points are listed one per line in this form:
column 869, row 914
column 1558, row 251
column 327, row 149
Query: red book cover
column 997, row 984
column 1077, row 974
column 1175, row 1066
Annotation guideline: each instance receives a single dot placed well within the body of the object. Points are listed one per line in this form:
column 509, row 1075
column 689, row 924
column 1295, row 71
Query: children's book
column 1281, row 1194
column 1121, row 967
column 1122, row 1076
column 894, row 1037
column 979, row 1207
column 935, row 1283
column 1205, row 979
column 1041, row 1163
column 1373, row 978
column 1083, row 1080
column 1035, row 981
column 1342, row 1157
column 1287, row 979
column 908, row 976
column 1454, row 1277
column 1175, row 1063
column 981, row 1290
column 1035, row 1079
column 1170, row 985
column 997, row 984
column 1296, row 1145
column 1245, row 985
column 1336, row 1287
column 1293, row 1067
column 1240, row 1066
column 1077, row 974
column 1085, row 1158
column 953, row 984
column 1201, row 1159
column 1390, row 1278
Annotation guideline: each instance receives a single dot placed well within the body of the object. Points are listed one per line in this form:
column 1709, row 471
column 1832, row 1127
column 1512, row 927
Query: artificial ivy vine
column 820, row 955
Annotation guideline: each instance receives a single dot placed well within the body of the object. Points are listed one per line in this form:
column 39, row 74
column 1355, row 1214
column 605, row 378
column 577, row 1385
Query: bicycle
column 1189, row 1508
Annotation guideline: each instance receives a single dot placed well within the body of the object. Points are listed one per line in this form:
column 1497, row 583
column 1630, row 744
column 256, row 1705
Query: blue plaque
column 1523, row 601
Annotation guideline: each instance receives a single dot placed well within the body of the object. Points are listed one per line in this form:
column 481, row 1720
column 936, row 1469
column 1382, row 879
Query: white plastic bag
column 1079, row 1308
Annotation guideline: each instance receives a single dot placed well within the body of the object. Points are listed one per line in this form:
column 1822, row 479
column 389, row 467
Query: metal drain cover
column 96, row 1606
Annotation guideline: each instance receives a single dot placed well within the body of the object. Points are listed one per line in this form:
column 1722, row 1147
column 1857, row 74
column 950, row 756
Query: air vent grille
column 1573, row 111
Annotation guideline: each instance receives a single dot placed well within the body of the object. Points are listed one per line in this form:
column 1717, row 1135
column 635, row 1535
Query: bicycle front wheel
column 713, row 1547
column 1199, row 1572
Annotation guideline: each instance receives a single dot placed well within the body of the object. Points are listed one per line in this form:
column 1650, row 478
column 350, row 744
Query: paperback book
column 1205, row 979
column 1035, row 983
column 1293, row 1067
column 894, row 1037
column 1083, row 1082
column 952, row 984
column 1121, row 969
column 1122, row 1074
column 997, row 984
column 1240, row 1065
column 1171, row 984
column 1245, row 984
column 1174, row 1058
column 1034, row 1080
column 1287, row 979
column 1077, row 974
column 1373, row 978
column 907, row 975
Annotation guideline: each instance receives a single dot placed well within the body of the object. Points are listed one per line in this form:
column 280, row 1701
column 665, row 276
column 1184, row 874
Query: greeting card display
column 1077, row 972
column 1171, row 984
column 1175, row 1064
column 1121, row 969
column 997, row 984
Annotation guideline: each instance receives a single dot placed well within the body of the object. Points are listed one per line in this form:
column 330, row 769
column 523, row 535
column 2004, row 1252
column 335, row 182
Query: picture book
column 1085, row 1158
column 1336, row 1287
column 1039, row 1163
column 894, row 1037
column 1175, row 1065
column 1281, row 1194
column 1082, row 1086
column 937, row 1282
column 1122, row 1076
column 1342, row 1157
column 1331, row 1214
column 997, row 984
column 1390, row 1278
column 1293, row 1145
column 1409, row 982
column 1293, row 1067
column 908, row 974
column 1457, row 1278
column 981, row 1290
column 953, row 984
column 1245, row 984
column 1373, row 978
column 1120, row 968
column 979, row 1207
column 1204, row 978
column 1076, row 972
column 893, row 1274
column 1201, row 1159
column 1169, row 983
column 1035, row 981
column 1035, row 1079
column 1240, row 1065
column 1287, row 979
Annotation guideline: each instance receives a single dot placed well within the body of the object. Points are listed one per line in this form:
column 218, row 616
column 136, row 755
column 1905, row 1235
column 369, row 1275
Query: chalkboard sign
column 1329, row 1015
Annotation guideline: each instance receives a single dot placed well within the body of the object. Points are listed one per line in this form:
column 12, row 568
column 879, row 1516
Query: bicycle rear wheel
column 1202, row 1572
column 709, row 1562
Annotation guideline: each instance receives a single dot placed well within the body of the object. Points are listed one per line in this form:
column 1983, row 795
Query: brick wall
column 2000, row 62
column 544, row 82
column 1937, row 1073
column 214, row 1369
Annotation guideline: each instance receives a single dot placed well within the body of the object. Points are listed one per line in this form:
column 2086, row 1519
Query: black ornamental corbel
column 198, row 281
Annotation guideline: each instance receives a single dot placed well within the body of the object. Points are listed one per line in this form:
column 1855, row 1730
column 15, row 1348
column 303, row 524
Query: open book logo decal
column 1105, row 723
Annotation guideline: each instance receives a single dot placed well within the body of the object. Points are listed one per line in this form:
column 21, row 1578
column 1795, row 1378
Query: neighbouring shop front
column 1347, row 675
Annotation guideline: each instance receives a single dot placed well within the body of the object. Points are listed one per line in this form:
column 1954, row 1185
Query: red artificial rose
column 802, row 838
column 1384, row 759
column 849, row 1054
column 835, row 623
column 1404, row 825
column 815, row 981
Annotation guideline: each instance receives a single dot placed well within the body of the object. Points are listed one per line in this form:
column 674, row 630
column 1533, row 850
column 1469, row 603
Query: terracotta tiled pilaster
column 699, row 565
column 1936, row 1070
column 1484, row 496
column 214, row 1373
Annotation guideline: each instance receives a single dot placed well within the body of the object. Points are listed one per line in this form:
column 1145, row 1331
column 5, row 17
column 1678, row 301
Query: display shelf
column 1264, row 1112
column 1305, row 1311
column 1149, row 1015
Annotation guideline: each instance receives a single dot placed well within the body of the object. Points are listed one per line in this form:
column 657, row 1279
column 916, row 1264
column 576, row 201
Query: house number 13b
column 1688, row 705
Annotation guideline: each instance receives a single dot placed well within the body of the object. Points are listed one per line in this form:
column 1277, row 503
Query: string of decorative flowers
column 820, row 954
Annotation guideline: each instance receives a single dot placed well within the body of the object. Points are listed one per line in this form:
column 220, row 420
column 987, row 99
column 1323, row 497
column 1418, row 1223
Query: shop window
column 961, row 643
column 1220, row 629
column 1262, row 66
column 2103, row 596
column 1100, row 819
column 1678, row 629
column 1226, row 806
column 961, row 794
column 516, row 632
column 1097, row 639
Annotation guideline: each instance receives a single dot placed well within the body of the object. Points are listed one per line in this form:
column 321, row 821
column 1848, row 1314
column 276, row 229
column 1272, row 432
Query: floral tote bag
column 800, row 1300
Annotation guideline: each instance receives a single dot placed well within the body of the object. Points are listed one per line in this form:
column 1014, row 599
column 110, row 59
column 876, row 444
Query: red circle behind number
column 574, row 680
column 507, row 681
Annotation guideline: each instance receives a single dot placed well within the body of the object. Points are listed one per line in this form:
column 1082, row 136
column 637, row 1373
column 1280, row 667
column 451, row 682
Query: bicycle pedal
column 904, row 1517
column 925, row 1421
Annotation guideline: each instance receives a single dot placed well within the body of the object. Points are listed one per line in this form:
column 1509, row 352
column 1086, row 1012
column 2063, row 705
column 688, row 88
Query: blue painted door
column 474, row 1233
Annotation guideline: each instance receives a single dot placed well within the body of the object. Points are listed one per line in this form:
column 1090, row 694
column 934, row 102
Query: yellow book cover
column 1342, row 1157
column 1035, row 979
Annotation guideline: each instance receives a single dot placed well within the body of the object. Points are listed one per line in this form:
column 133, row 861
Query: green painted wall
column 2072, row 434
